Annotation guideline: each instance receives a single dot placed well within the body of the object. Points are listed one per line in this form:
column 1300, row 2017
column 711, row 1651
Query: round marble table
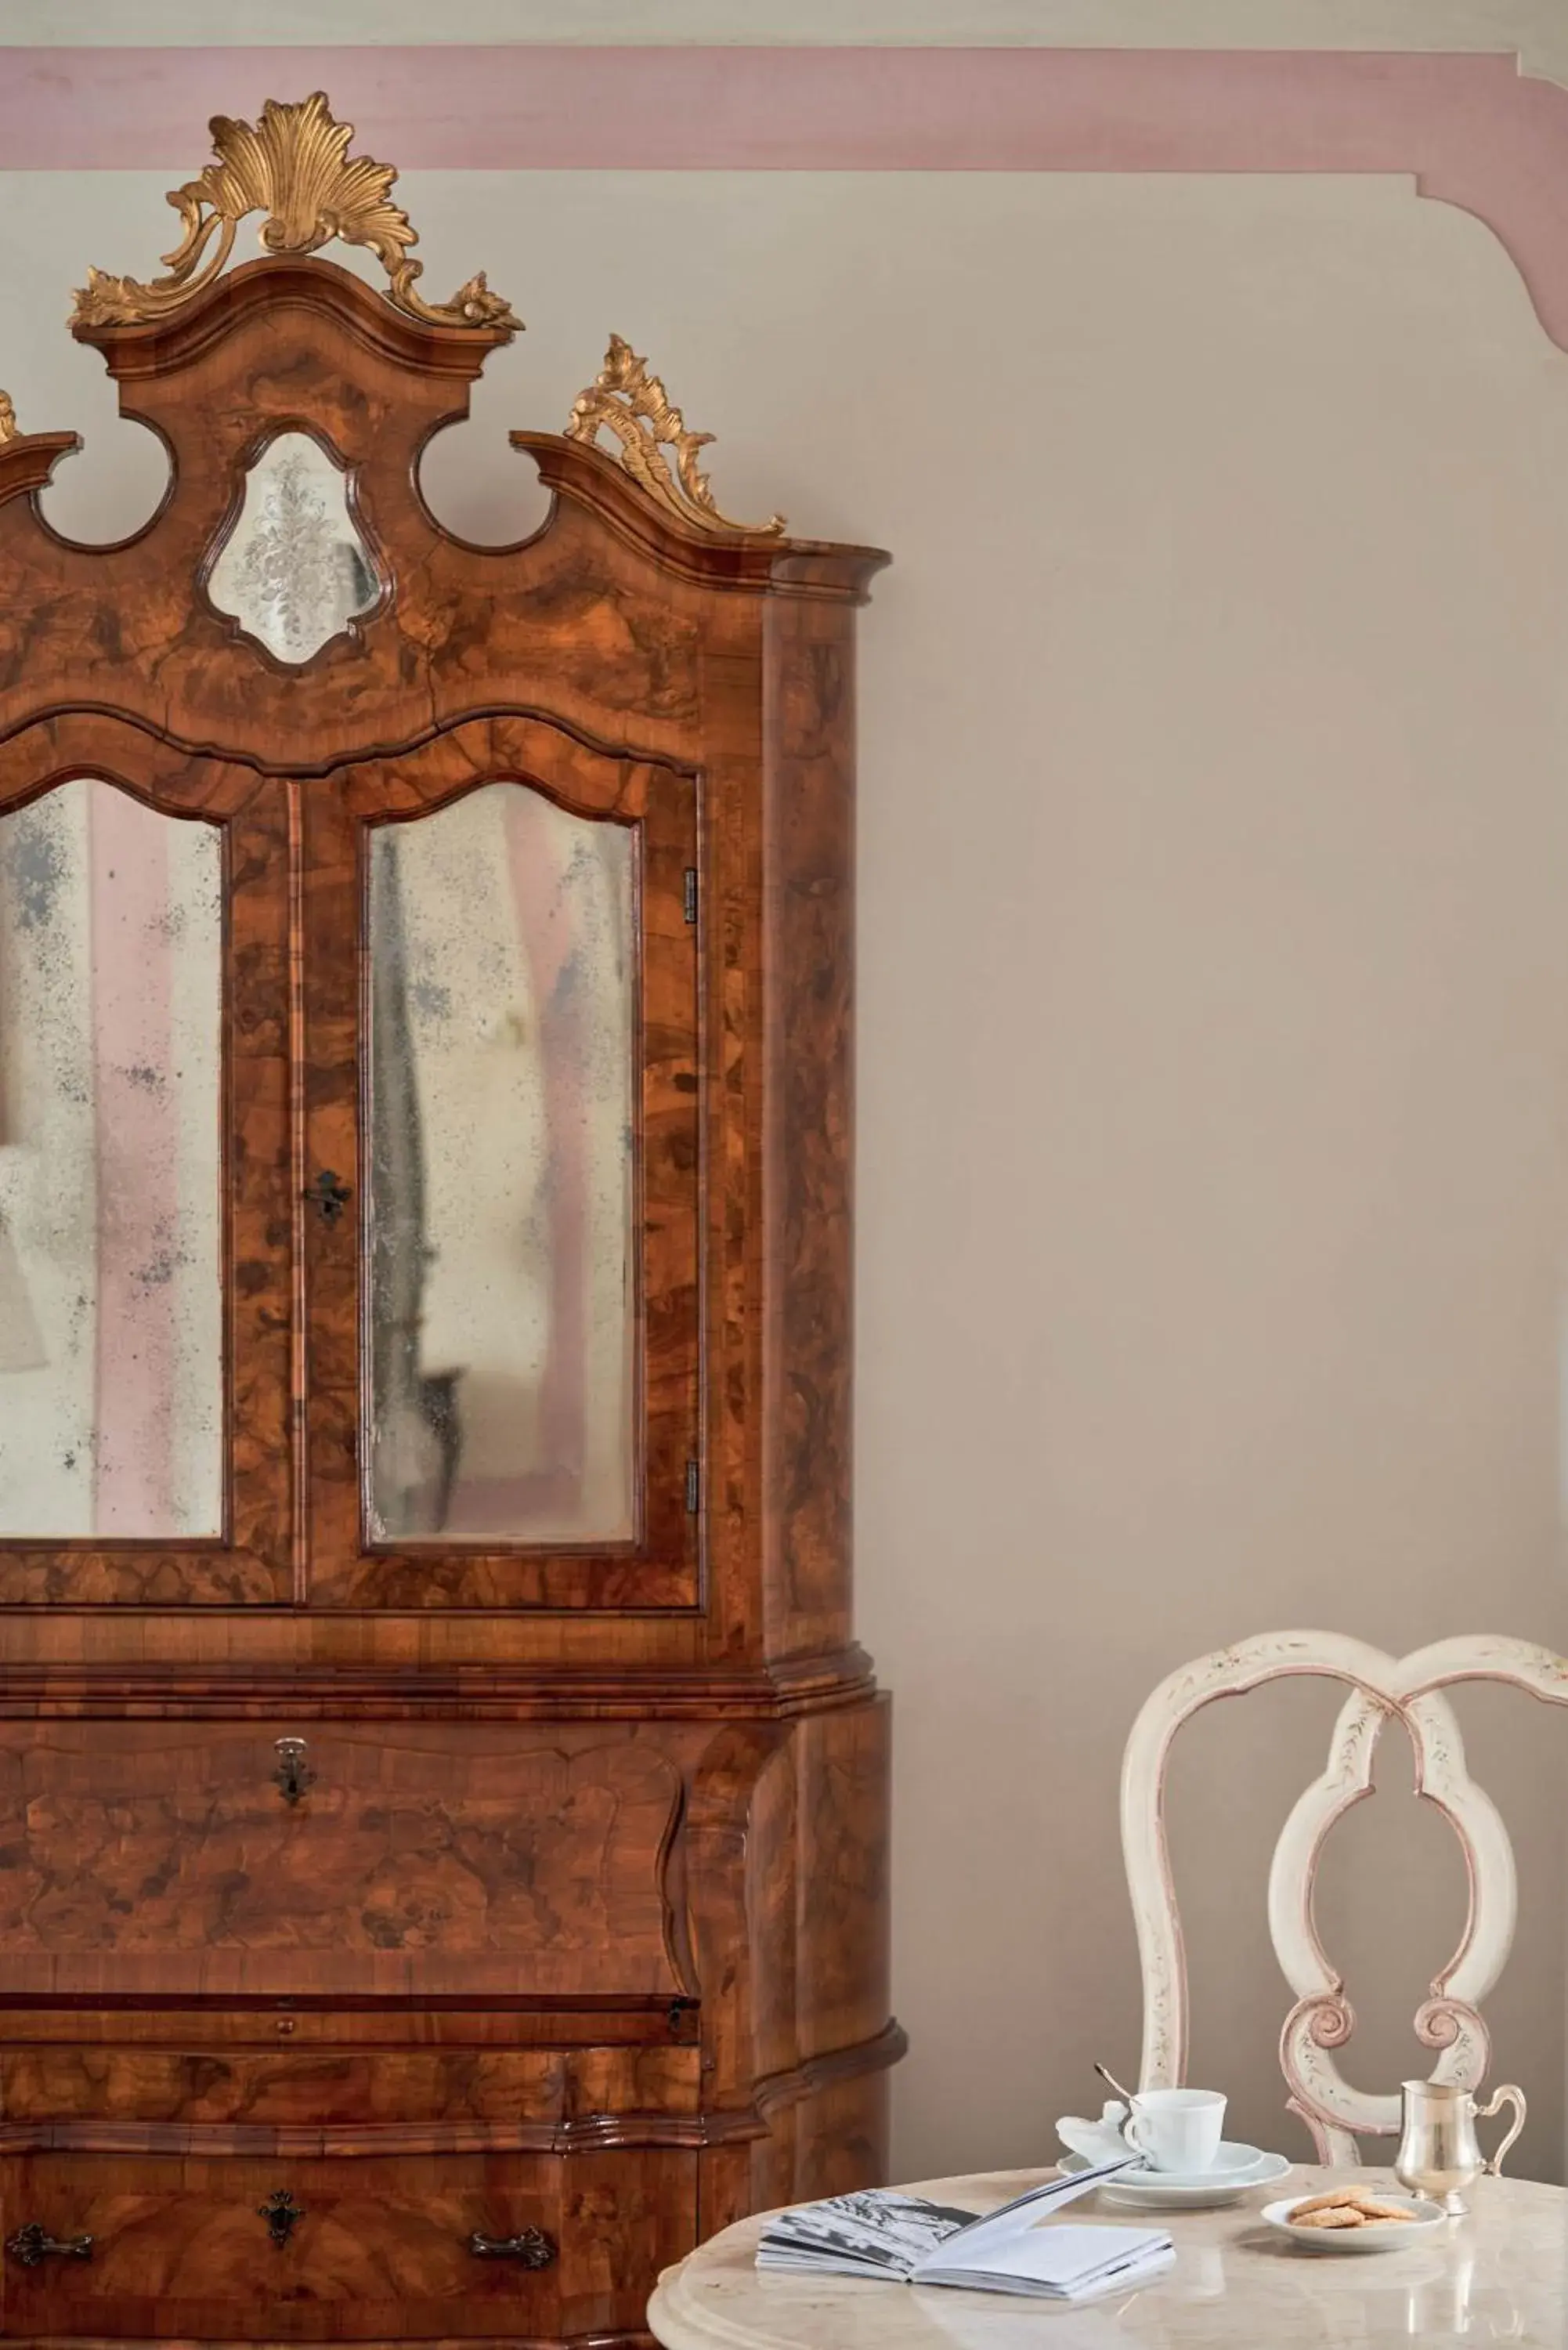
column 1498, row 2275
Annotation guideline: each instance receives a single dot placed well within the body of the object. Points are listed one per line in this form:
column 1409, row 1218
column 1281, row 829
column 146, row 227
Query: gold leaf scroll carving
column 635, row 407
column 293, row 166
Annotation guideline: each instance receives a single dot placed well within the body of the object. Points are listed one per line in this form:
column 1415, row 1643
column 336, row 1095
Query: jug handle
column 1505, row 2094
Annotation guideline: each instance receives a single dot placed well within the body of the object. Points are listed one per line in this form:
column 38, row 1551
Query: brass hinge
column 694, row 1488
column 692, row 893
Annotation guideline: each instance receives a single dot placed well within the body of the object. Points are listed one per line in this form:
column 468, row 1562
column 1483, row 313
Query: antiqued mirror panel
column 295, row 569
column 111, row 1221
column 502, row 1251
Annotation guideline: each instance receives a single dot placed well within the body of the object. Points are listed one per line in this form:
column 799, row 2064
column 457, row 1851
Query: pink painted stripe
column 137, row 1124
column 1468, row 127
column 902, row 109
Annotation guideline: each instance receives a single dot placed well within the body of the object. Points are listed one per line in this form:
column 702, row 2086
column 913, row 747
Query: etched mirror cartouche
column 295, row 569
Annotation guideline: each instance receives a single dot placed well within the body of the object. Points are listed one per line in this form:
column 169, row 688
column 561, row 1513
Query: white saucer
column 1394, row 2235
column 1237, row 2170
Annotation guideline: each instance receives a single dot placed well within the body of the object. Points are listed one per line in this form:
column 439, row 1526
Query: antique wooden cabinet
column 442, row 1807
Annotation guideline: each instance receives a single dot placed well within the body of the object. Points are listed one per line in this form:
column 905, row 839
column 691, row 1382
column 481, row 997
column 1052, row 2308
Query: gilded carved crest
column 9, row 428
column 293, row 166
column 635, row 407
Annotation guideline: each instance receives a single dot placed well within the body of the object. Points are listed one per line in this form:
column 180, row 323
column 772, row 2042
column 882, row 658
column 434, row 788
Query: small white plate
column 1430, row 2219
column 1167, row 2190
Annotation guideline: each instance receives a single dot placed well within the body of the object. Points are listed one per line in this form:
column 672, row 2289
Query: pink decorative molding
column 1467, row 128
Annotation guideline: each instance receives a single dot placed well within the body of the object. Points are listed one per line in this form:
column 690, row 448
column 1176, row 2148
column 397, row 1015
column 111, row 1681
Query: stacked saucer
column 1236, row 2167
column 1235, row 2170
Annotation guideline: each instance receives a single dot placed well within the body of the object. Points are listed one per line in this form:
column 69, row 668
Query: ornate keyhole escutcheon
column 282, row 2215
column 294, row 1777
column 328, row 1195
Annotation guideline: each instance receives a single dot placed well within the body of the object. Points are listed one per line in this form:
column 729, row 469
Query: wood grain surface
column 581, row 1924
column 181, row 2251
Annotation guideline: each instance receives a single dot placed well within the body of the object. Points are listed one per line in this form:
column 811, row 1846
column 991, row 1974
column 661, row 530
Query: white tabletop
column 1498, row 2275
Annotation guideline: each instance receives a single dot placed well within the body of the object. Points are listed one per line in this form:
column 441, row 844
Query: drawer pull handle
column 32, row 2244
column 294, row 1777
column 531, row 2249
column 282, row 2215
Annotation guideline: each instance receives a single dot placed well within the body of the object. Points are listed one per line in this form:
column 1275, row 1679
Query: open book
column 903, row 2240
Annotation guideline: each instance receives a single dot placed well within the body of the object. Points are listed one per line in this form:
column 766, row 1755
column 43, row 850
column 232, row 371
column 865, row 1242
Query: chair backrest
column 1381, row 1688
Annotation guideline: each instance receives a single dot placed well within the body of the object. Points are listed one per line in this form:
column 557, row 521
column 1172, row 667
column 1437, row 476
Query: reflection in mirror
column 110, row 1304
column 294, row 570
column 503, row 998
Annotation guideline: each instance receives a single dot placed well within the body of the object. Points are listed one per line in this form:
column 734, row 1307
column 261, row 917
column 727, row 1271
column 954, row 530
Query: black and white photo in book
column 901, row 2239
column 874, row 2231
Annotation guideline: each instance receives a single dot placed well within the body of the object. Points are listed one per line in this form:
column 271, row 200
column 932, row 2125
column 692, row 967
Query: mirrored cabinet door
column 110, row 1190
column 501, row 1308
column 525, row 1197
column 124, row 1118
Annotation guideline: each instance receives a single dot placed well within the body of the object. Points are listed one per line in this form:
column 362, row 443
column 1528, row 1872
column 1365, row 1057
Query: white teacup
column 1177, row 2129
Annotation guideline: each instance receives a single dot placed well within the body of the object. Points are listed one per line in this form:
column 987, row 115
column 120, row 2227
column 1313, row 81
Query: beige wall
column 1214, row 990
column 1536, row 28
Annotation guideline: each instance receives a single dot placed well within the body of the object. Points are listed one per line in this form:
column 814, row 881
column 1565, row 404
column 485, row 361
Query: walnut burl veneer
column 561, row 1943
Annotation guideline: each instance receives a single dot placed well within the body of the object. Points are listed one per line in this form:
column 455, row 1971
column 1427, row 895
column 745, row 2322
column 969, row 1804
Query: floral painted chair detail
column 1381, row 1688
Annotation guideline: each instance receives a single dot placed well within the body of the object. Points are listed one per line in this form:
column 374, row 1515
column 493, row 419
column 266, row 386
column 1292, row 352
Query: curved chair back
column 1380, row 1689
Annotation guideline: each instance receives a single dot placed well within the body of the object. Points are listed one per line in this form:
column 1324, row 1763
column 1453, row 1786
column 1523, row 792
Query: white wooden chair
column 1382, row 1688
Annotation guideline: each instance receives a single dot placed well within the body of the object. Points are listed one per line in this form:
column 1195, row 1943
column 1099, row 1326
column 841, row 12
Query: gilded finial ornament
column 9, row 428
column 636, row 408
column 294, row 166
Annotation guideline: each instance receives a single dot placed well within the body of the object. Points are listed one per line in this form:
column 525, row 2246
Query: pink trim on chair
column 1382, row 1688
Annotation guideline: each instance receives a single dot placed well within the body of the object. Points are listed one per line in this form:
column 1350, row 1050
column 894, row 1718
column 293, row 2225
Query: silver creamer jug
column 1439, row 2155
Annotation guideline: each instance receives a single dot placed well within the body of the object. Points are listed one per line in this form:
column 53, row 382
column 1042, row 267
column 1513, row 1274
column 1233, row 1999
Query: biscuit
column 1348, row 2207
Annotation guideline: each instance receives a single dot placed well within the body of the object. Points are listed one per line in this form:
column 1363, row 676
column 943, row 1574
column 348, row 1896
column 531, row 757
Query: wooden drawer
column 382, row 2248
column 460, row 1860
column 95, row 2098
column 656, row 2023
